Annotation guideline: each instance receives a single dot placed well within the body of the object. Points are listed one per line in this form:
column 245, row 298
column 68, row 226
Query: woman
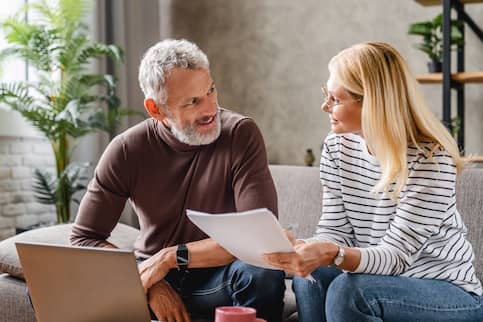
column 388, row 170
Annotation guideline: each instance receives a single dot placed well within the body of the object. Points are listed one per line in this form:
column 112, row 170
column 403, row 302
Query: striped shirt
column 421, row 236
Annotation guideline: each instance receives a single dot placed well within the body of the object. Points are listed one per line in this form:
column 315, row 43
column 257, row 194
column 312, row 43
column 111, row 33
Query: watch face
column 182, row 256
column 340, row 256
column 181, row 260
column 338, row 260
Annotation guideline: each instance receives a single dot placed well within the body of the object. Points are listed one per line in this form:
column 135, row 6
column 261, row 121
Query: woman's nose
column 325, row 107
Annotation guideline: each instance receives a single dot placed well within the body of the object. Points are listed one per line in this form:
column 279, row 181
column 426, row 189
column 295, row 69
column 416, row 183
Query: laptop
column 83, row 284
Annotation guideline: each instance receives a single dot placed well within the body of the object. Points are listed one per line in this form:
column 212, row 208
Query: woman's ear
column 153, row 109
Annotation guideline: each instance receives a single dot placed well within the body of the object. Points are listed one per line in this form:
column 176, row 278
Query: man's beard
column 190, row 135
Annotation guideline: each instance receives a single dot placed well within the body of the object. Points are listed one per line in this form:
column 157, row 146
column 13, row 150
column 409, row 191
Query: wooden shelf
column 436, row 78
column 475, row 159
column 440, row 2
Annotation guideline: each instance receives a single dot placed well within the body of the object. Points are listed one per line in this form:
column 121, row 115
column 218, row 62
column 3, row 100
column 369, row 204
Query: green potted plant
column 67, row 101
column 432, row 42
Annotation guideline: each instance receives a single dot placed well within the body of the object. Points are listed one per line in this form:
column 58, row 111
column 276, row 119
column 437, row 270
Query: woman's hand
column 305, row 258
column 291, row 237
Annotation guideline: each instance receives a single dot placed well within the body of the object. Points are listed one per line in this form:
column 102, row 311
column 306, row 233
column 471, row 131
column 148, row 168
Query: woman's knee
column 322, row 275
column 348, row 293
column 302, row 286
column 343, row 285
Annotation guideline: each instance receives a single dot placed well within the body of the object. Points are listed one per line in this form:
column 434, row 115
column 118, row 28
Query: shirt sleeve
column 102, row 205
column 252, row 182
column 422, row 208
column 333, row 224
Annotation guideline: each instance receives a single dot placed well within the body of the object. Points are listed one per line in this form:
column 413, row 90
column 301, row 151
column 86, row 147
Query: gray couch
column 299, row 196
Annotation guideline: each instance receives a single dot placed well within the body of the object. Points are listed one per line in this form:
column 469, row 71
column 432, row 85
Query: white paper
column 246, row 235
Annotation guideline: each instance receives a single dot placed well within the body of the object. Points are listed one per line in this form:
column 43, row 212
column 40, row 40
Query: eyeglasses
column 330, row 101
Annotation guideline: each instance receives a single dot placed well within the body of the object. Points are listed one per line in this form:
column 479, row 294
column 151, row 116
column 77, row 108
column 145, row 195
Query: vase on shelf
column 309, row 158
column 434, row 66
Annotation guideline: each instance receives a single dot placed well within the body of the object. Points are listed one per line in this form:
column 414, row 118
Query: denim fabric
column 344, row 297
column 202, row 290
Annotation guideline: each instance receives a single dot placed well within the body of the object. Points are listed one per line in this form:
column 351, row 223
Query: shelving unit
column 438, row 2
column 457, row 80
column 463, row 78
column 477, row 159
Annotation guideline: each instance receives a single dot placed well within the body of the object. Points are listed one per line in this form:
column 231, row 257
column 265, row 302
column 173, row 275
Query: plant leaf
column 45, row 187
column 422, row 28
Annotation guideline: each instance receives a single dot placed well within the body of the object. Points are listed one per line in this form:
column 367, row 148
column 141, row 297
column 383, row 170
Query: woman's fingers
column 293, row 263
column 290, row 235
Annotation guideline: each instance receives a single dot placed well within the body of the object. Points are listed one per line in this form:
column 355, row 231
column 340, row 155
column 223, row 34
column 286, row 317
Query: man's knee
column 273, row 280
column 266, row 281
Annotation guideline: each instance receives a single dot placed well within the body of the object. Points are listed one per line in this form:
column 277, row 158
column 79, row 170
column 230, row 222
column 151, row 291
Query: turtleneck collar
column 167, row 136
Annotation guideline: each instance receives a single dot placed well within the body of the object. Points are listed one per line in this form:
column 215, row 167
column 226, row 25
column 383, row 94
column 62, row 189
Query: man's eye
column 211, row 90
column 193, row 101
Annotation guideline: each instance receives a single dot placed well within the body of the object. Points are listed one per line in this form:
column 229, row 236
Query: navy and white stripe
column 422, row 235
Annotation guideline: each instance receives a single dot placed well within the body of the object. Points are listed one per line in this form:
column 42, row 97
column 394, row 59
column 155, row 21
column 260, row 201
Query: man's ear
column 153, row 109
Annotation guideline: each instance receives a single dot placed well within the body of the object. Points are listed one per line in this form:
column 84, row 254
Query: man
column 191, row 154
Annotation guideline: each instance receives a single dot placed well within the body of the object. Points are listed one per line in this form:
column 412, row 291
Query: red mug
column 235, row 314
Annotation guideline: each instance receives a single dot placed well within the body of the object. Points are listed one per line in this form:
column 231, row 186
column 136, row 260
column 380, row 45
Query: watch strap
column 182, row 257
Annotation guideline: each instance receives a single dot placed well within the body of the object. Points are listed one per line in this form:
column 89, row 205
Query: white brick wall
column 18, row 208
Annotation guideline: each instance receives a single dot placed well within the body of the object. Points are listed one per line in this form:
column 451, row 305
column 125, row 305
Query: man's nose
column 210, row 106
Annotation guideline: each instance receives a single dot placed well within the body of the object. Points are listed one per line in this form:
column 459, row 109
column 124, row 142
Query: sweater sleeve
column 333, row 224
column 422, row 208
column 252, row 182
column 101, row 206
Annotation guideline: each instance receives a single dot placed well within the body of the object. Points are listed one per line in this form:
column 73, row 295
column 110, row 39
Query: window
column 11, row 122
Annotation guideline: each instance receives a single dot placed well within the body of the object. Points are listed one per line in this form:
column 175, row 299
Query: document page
column 246, row 235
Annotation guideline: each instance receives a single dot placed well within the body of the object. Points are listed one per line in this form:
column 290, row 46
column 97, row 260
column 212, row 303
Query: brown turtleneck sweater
column 163, row 177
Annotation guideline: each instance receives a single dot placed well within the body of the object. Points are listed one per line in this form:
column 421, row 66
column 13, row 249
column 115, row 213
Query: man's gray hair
column 161, row 58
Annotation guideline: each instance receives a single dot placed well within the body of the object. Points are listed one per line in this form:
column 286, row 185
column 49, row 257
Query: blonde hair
column 394, row 112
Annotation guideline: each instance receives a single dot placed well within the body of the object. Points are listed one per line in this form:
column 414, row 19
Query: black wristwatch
column 182, row 257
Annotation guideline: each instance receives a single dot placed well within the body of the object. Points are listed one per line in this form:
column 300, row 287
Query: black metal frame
column 109, row 34
column 448, row 83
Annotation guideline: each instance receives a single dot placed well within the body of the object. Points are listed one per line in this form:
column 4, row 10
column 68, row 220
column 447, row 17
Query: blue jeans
column 344, row 297
column 202, row 290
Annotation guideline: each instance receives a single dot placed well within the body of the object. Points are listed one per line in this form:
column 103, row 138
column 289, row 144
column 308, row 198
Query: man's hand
column 167, row 304
column 155, row 268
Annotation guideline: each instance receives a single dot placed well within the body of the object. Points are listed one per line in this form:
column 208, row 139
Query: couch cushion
column 122, row 236
column 469, row 202
column 290, row 305
column 299, row 197
column 14, row 305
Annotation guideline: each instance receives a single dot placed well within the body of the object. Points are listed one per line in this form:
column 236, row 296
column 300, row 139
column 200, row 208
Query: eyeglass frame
column 325, row 92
